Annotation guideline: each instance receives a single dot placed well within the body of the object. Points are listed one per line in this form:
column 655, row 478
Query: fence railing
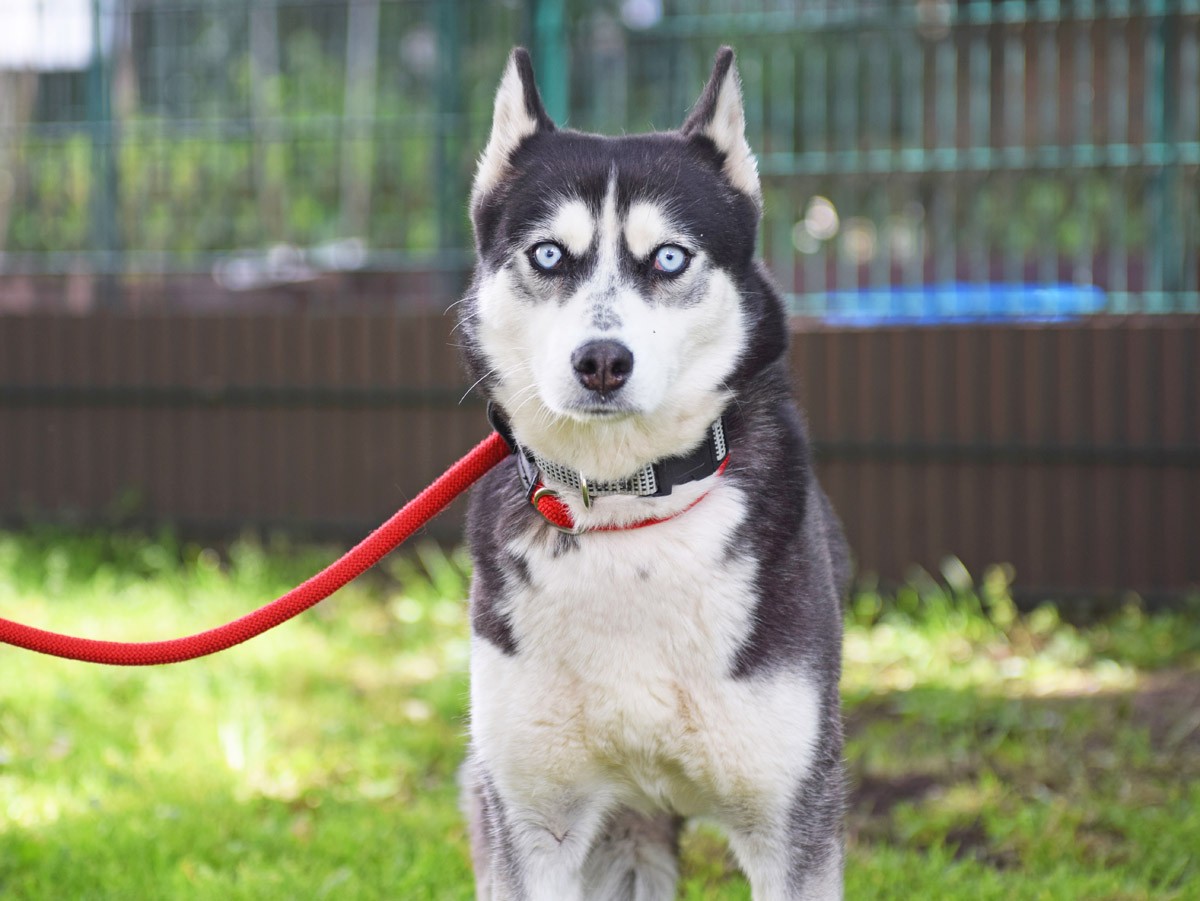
column 936, row 143
column 909, row 143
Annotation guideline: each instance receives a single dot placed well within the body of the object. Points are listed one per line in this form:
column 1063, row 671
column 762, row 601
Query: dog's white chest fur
column 620, row 685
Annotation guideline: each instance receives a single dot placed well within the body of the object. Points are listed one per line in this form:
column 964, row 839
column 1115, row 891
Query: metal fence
column 259, row 142
column 907, row 146
column 915, row 144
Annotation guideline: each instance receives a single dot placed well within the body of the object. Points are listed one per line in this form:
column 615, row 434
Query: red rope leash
column 426, row 505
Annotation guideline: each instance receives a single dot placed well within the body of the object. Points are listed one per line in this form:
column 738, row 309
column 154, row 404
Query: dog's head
column 617, row 306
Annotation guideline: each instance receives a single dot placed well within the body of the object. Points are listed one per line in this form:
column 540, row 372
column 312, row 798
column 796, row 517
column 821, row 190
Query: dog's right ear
column 518, row 114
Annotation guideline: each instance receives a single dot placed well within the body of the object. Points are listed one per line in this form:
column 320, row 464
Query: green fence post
column 105, row 227
column 550, row 56
column 1167, row 244
column 451, row 188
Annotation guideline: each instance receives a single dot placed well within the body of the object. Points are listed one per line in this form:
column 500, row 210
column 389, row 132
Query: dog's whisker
column 475, row 385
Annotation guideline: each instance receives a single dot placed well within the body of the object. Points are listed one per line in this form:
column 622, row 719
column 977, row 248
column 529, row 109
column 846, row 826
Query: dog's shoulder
column 802, row 561
column 496, row 513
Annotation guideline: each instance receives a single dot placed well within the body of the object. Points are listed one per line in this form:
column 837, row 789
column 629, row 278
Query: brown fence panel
column 1071, row 451
column 316, row 423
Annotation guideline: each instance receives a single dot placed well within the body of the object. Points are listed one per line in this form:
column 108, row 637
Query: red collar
column 547, row 502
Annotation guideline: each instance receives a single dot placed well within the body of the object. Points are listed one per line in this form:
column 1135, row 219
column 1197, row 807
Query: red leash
column 426, row 505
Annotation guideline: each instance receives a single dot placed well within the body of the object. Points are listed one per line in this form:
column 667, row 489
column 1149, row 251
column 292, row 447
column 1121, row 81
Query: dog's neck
column 548, row 483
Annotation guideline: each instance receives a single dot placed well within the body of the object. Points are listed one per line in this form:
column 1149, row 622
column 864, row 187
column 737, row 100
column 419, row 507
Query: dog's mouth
column 594, row 411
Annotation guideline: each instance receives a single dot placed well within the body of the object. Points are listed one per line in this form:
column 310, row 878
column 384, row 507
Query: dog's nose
column 602, row 366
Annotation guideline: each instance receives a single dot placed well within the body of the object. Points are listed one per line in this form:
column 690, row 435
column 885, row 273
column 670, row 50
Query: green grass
column 994, row 755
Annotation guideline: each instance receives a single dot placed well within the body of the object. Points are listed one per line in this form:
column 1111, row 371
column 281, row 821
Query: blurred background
column 231, row 230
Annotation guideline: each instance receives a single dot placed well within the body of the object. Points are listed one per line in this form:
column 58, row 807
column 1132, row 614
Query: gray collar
column 652, row 480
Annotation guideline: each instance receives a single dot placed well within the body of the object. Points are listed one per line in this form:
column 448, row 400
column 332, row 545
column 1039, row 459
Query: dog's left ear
column 518, row 114
column 719, row 116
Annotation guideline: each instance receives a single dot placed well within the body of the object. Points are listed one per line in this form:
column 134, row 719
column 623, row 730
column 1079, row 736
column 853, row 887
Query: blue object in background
column 962, row 303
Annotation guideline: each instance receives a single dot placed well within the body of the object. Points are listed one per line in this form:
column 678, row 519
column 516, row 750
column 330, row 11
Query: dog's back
column 656, row 603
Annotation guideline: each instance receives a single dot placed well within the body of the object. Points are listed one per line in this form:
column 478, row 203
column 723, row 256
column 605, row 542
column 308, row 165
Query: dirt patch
column 874, row 799
column 970, row 842
column 1063, row 750
column 1168, row 705
column 875, row 796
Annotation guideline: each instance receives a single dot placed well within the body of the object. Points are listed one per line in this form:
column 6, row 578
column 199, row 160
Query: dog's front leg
column 553, row 847
column 796, row 856
column 546, row 848
column 777, row 872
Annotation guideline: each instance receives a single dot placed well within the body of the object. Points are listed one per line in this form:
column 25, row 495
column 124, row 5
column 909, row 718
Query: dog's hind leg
column 634, row 859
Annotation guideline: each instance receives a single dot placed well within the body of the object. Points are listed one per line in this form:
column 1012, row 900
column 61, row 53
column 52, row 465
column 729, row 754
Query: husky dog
column 656, row 605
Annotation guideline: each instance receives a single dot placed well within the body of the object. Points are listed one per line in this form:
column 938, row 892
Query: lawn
column 994, row 755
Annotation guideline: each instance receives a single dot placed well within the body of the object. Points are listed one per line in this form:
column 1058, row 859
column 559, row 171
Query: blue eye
column 547, row 256
column 670, row 259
